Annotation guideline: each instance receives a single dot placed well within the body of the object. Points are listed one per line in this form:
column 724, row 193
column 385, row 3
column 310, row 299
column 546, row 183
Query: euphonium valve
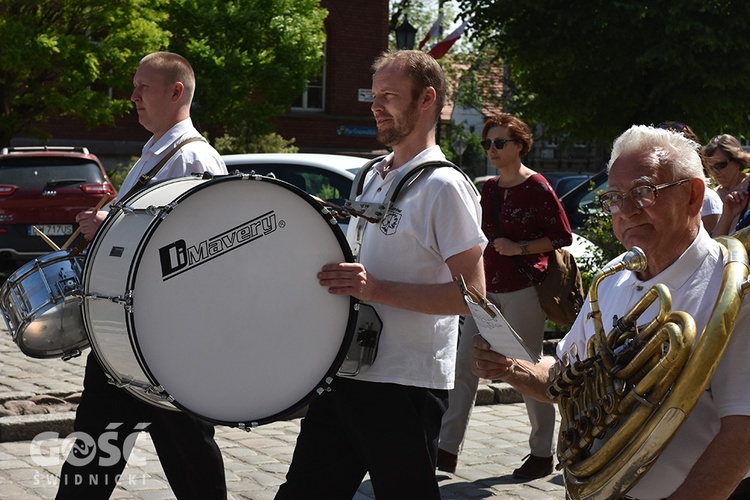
column 621, row 403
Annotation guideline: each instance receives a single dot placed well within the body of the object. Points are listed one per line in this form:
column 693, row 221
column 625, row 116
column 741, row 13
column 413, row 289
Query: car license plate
column 52, row 229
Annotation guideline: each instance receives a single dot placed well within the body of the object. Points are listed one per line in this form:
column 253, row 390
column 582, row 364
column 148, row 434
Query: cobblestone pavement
column 255, row 461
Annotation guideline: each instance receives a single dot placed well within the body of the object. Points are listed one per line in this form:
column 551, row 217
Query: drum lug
column 247, row 428
column 160, row 392
column 68, row 283
column 74, row 353
column 327, row 388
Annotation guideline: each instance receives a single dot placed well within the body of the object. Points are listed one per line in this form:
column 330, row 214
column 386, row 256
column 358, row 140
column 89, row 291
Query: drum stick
column 46, row 238
column 73, row 236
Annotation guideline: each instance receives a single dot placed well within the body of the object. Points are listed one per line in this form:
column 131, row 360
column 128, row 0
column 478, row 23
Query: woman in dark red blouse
column 524, row 222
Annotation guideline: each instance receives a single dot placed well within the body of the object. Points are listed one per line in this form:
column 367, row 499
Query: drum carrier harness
column 364, row 348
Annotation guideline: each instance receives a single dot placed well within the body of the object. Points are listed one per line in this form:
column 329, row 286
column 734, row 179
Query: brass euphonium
column 638, row 383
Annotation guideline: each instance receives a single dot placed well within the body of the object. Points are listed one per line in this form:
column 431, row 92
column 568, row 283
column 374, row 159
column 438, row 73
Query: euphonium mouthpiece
column 633, row 260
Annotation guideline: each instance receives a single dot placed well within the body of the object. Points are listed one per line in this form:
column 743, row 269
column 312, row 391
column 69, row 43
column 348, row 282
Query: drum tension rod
column 126, row 301
column 155, row 211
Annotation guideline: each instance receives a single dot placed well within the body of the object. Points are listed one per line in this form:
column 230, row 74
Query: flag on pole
column 433, row 33
column 440, row 49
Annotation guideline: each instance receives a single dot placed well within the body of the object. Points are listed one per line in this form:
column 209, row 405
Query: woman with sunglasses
column 524, row 223
column 727, row 162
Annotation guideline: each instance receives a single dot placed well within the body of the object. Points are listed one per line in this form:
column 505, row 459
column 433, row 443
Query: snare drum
column 202, row 295
column 40, row 303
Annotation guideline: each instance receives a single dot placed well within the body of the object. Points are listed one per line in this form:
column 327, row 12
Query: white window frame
column 322, row 86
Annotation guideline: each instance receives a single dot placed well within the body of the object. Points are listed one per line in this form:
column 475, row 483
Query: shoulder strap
column 359, row 179
column 146, row 178
column 404, row 179
column 408, row 177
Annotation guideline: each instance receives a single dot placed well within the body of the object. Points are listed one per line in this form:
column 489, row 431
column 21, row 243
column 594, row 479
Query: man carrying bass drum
column 164, row 85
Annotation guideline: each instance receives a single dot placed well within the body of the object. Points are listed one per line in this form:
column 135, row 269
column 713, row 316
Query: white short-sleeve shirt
column 435, row 218
column 712, row 204
column 694, row 281
column 196, row 157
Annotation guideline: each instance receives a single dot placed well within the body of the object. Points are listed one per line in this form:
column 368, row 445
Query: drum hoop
column 326, row 380
column 92, row 251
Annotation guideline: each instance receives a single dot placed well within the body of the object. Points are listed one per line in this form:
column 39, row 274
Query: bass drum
column 202, row 295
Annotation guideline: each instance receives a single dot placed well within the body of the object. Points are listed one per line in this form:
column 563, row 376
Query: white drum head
column 228, row 316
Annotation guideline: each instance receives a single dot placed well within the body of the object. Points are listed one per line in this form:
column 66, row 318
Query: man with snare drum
column 163, row 91
column 385, row 420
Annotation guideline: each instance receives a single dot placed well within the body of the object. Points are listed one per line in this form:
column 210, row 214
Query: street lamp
column 405, row 35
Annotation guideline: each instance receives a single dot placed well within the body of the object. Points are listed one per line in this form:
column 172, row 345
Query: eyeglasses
column 499, row 143
column 721, row 165
column 642, row 196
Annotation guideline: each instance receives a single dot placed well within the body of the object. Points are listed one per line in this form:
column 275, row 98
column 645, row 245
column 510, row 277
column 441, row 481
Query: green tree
column 252, row 58
column 472, row 159
column 422, row 14
column 59, row 58
column 266, row 143
column 591, row 69
column 598, row 229
column 64, row 58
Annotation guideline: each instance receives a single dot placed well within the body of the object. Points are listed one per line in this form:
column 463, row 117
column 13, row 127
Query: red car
column 45, row 186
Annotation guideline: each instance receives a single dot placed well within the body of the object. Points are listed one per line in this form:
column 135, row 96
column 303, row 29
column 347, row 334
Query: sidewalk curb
column 497, row 393
column 27, row 427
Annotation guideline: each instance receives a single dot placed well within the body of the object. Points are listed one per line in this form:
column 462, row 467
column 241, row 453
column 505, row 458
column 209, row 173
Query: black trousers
column 108, row 420
column 388, row 430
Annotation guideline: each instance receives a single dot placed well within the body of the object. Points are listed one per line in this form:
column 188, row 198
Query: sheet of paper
column 498, row 332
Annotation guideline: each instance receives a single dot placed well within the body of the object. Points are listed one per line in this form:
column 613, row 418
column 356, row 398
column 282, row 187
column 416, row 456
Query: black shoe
column 446, row 461
column 534, row 467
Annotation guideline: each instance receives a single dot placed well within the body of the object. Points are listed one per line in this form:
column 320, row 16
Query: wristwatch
column 524, row 247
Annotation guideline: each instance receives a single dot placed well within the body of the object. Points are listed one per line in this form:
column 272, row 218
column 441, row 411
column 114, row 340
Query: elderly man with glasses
column 656, row 190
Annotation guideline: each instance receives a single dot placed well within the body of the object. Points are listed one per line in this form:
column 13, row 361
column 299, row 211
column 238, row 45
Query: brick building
column 357, row 32
column 333, row 116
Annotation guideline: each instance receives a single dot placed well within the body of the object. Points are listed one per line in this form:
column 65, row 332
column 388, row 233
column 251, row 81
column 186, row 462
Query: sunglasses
column 499, row 143
column 673, row 126
column 720, row 165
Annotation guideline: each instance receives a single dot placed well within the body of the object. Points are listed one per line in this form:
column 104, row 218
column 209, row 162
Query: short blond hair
column 175, row 68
